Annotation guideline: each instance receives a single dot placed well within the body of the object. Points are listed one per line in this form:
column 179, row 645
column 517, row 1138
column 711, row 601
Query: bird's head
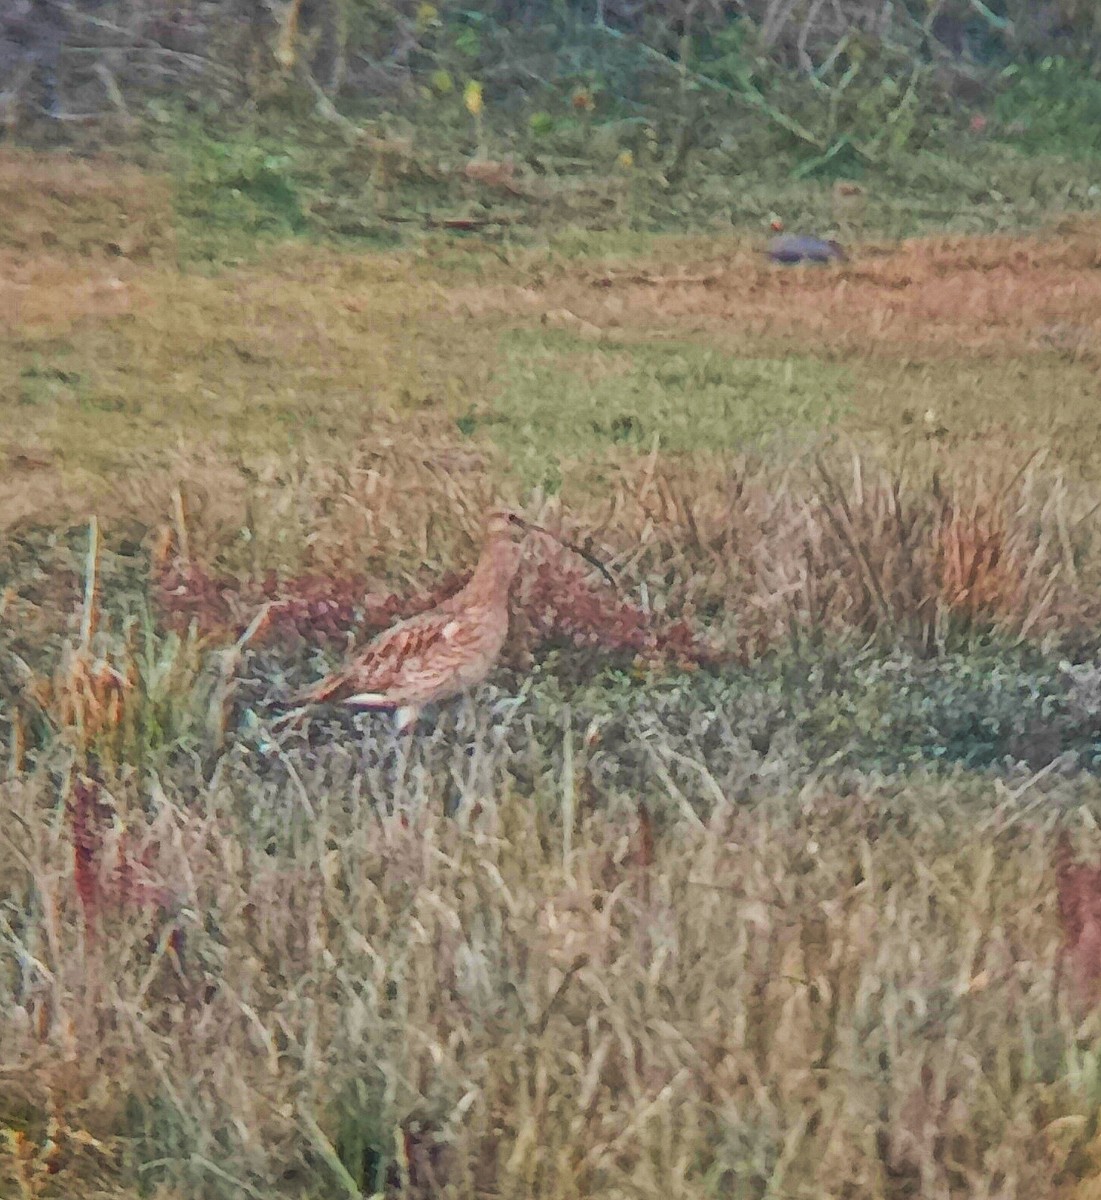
column 507, row 524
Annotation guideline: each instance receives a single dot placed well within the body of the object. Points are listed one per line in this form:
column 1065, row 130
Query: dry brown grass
column 53, row 294
column 823, row 998
column 974, row 295
column 123, row 373
column 55, row 203
column 748, row 550
column 478, row 967
column 260, row 503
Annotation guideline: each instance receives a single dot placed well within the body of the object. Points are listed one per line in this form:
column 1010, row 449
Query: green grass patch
column 240, row 183
column 984, row 403
column 561, row 398
column 1052, row 107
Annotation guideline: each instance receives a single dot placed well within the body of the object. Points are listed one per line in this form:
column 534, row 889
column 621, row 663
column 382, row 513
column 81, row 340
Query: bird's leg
column 468, row 713
column 405, row 721
column 401, row 769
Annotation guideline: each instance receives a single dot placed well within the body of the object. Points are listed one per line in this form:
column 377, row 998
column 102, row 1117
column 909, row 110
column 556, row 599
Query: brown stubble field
column 573, row 942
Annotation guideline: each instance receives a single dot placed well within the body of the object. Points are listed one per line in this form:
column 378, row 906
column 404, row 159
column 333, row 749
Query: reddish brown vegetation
column 87, row 816
column 1079, row 892
column 882, row 556
column 554, row 603
column 86, row 695
column 643, row 850
column 316, row 608
column 977, row 574
column 558, row 603
column 110, row 878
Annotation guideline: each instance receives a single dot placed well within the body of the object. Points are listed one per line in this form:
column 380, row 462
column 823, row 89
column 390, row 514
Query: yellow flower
column 472, row 98
column 427, row 16
column 626, row 160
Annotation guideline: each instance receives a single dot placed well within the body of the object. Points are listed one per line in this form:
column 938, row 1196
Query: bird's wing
column 405, row 649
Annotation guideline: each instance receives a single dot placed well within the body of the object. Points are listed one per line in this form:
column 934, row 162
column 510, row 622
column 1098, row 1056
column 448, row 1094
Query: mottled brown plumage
column 438, row 654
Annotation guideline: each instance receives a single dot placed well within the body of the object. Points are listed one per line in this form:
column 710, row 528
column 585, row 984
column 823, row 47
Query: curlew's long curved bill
column 589, row 557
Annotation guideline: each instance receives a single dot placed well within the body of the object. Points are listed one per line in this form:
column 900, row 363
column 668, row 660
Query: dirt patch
column 47, row 292
column 71, row 234
column 58, row 204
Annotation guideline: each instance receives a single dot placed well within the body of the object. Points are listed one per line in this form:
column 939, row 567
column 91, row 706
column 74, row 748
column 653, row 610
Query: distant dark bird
column 797, row 248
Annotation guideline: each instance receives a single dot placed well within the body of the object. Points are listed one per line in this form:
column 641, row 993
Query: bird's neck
column 494, row 573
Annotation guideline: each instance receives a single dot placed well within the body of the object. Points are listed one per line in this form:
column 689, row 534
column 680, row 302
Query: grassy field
column 744, row 881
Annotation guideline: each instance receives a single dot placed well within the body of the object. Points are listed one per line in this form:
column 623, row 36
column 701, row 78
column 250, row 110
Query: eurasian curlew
column 442, row 653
